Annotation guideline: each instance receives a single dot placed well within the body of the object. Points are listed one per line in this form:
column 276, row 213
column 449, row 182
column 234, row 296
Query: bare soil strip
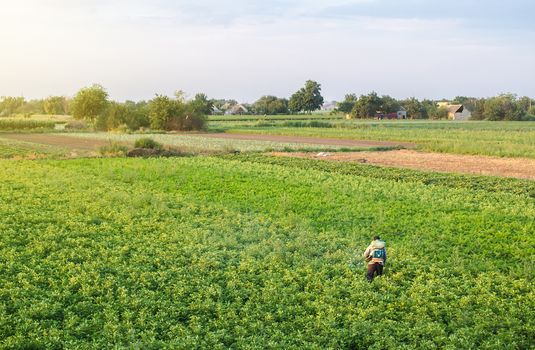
column 59, row 140
column 481, row 165
column 310, row 140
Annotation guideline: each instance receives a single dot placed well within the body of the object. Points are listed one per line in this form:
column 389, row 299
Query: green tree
column 346, row 106
column 55, row 105
column 307, row 99
column 270, row 105
column 367, row 106
column 389, row 104
column 90, row 103
column 415, row 109
column 161, row 110
column 167, row 114
column 11, row 105
column 502, row 107
column 202, row 104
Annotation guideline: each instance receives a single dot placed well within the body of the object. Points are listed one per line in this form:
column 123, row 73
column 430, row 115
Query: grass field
column 256, row 252
column 504, row 139
column 19, row 149
column 198, row 143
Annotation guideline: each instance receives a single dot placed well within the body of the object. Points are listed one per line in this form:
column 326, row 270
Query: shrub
column 146, row 142
column 113, row 149
column 76, row 125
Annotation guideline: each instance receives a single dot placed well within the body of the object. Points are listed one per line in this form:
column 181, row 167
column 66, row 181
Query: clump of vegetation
column 148, row 143
column 76, row 125
column 26, row 125
column 113, row 149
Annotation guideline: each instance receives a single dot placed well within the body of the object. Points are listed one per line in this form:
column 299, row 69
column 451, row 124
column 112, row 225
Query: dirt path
column 441, row 162
column 59, row 140
column 309, row 140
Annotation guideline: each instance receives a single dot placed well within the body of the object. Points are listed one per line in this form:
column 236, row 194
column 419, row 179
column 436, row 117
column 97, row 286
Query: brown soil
column 480, row 165
column 310, row 140
column 59, row 140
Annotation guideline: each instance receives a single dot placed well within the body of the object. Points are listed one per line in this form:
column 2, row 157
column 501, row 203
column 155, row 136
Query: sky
column 245, row 49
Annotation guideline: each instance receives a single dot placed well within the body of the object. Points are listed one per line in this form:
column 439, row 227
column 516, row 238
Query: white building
column 456, row 112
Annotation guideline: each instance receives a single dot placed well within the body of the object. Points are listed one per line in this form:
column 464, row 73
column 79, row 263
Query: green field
column 20, row 149
column 503, row 139
column 255, row 252
column 199, row 143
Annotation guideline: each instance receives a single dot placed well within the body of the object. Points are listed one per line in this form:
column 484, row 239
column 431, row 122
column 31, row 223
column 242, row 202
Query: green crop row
column 26, row 124
column 251, row 252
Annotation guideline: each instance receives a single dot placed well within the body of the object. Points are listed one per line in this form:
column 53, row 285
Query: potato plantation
column 248, row 251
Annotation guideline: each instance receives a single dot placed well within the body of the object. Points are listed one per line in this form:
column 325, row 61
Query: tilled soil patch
column 481, row 165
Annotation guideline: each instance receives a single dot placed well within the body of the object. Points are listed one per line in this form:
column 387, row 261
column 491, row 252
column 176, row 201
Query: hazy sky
column 244, row 49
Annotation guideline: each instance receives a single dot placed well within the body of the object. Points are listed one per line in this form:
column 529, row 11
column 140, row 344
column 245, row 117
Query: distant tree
column 346, row 106
column 415, row 109
column 202, row 104
column 307, row 99
column 296, row 103
column 11, row 105
column 367, row 106
column 167, row 114
column 161, row 110
column 270, row 105
column 89, row 103
column 389, row 104
column 502, row 107
column 531, row 110
column 55, row 105
column 477, row 108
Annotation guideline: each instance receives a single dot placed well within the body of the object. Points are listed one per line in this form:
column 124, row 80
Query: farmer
column 375, row 255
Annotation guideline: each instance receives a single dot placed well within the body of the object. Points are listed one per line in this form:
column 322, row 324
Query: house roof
column 455, row 108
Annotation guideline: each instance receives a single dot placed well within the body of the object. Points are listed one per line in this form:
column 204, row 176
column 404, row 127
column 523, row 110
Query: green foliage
column 147, row 142
column 56, row 105
column 271, row 105
column 256, row 252
column 26, row 125
column 202, row 105
column 346, row 106
column 10, row 105
column 415, row 109
column 113, row 149
column 90, row 103
column 307, row 99
column 367, row 106
column 167, row 114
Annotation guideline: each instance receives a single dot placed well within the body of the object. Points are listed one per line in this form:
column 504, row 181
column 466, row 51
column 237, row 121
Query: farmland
column 252, row 252
column 224, row 250
column 503, row 139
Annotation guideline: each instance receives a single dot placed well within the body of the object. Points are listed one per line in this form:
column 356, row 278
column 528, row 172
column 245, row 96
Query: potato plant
column 252, row 252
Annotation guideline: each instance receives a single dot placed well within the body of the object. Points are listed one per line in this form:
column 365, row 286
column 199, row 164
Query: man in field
column 375, row 255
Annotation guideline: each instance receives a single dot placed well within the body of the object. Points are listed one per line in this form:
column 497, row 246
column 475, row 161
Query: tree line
column 501, row 107
column 92, row 105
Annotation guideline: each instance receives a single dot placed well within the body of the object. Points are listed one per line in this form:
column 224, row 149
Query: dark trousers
column 374, row 269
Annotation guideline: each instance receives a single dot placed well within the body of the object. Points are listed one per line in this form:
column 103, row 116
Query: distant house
column 329, row 106
column 237, row 109
column 401, row 114
column 216, row 111
column 456, row 112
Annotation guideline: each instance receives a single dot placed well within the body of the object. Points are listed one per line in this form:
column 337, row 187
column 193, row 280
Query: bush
column 76, row 125
column 148, row 143
column 113, row 149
